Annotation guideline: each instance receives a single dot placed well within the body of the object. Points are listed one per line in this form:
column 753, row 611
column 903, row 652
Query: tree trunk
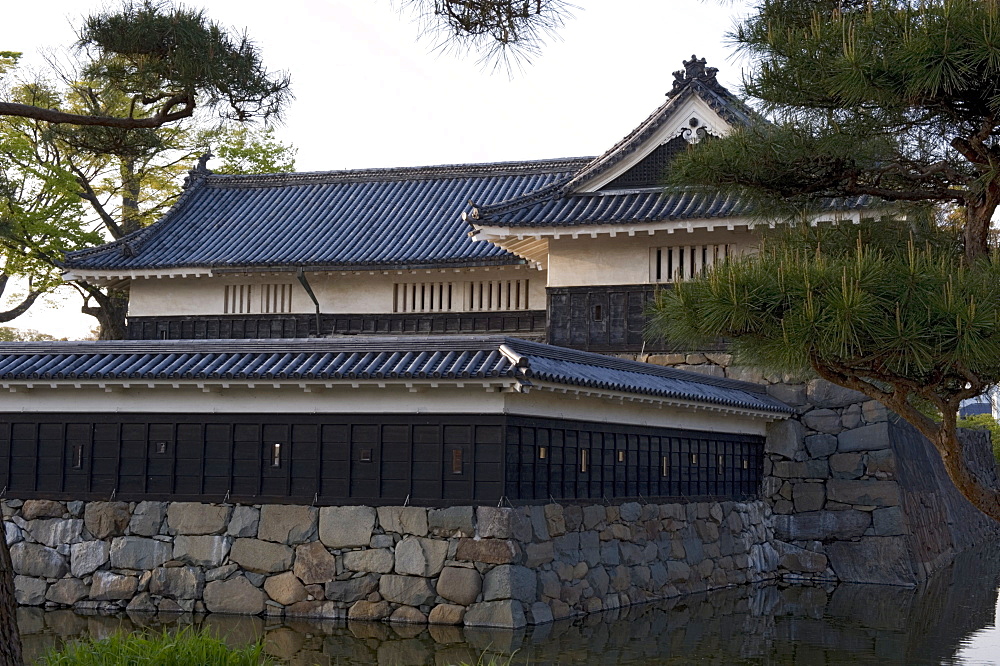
column 10, row 637
column 110, row 312
column 983, row 498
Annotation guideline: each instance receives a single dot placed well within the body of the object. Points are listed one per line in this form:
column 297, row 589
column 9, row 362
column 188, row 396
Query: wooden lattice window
column 275, row 298
column 473, row 296
column 684, row 262
column 237, row 298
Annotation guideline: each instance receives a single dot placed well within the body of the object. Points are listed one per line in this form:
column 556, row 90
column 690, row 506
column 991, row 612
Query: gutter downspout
column 301, row 275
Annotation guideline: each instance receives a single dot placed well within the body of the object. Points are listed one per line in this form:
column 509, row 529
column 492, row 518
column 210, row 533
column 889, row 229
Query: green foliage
column 984, row 422
column 182, row 648
column 897, row 99
column 153, row 51
column 244, row 149
column 911, row 317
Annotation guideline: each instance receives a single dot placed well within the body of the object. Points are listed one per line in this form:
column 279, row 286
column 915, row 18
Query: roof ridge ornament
column 694, row 70
column 200, row 170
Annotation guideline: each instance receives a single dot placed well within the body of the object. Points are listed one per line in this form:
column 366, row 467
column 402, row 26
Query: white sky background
column 369, row 93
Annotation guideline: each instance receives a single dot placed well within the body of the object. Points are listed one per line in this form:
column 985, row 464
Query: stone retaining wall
column 858, row 495
column 480, row 566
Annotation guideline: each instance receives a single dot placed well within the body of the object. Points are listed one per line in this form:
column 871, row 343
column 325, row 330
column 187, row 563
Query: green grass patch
column 186, row 647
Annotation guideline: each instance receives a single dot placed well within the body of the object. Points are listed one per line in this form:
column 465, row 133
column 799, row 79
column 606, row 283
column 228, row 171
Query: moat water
column 952, row 619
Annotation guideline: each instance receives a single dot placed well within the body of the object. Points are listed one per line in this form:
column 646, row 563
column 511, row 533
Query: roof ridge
column 521, row 167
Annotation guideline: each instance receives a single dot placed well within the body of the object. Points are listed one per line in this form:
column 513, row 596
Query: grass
column 186, row 647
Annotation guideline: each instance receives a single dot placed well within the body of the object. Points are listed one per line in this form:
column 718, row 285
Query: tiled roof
column 350, row 219
column 375, row 358
column 636, row 206
column 562, row 195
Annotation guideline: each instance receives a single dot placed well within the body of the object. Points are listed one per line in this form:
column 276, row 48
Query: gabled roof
column 369, row 358
column 372, row 218
column 558, row 203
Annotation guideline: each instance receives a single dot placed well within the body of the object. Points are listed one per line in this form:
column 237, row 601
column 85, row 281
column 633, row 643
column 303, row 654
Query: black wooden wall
column 364, row 459
column 528, row 323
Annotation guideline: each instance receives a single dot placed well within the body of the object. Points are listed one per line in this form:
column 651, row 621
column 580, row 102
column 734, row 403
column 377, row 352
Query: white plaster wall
column 353, row 292
column 187, row 397
column 624, row 259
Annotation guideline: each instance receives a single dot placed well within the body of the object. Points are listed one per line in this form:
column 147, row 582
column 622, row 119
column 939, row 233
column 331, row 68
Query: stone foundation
column 479, row 566
column 858, row 495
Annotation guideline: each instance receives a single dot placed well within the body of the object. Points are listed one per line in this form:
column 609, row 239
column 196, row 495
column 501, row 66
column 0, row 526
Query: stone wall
column 857, row 494
column 481, row 566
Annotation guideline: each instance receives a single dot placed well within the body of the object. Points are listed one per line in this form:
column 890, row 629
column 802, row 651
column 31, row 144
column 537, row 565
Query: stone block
column 418, row 556
column 287, row 524
column 403, row 520
column 593, row 517
column 821, row 525
column 555, row 519
column 536, row 554
column 87, row 557
column 406, row 590
column 314, row 563
column 882, row 560
column 371, row 560
column 630, row 511
column 138, row 553
column 107, row 586
column 346, row 526
column 808, row 496
column 54, row 532
column 851, row 417
column 874, row 412
column 447, row 614
column 407, row 615
column 203, row 551
column 822, row 420
column 369, row 611
column 32, row 559
column 489, row 551
column 829, row 395
column 800, row 560
column 573, row 515
column 502, row 523
column 536, row 515
column 784, row 438
column 509, row 582
column 793, row 395
column 147, row 518
column 12, row 533
column 29, row 591
column 460, row 585
column 261, row 557
column 678, row 572
column 455, row 521
column 177, row 582
column 889, row 521
column 243, row 522
column 32, row 509
column 195, row 518
column 883, row 461
column 821, row 445
column 508, row 614
column 106, row 519
column 866, row 438
column 353, row 589
column 67, row 591
column 236, row 595
column 863, row 492
column 285, row 588
column 846, row 465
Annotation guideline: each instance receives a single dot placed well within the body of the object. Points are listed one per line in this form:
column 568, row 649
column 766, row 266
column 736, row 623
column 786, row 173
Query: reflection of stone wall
column 480, row 566
column 857, row 494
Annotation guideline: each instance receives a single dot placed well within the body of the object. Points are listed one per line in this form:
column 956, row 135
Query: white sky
column 369, row 93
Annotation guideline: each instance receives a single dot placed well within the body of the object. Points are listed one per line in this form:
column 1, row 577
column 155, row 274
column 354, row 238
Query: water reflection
column 948, row 620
